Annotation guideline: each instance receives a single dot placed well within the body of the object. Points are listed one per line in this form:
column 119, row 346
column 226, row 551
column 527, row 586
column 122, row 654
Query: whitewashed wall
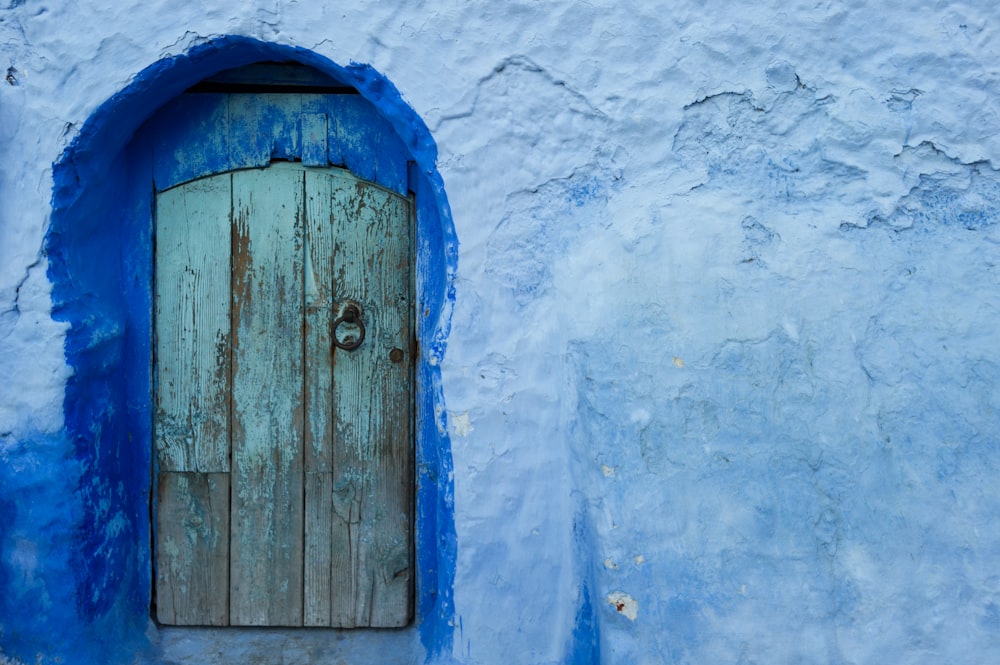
column 722, row 375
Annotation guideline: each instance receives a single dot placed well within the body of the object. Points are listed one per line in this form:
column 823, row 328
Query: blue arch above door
column 99, row 251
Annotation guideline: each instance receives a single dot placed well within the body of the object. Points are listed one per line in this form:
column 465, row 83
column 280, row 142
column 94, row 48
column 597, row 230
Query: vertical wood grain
column 176, row 157
column 353, row 140
column 316, row 516
column 192, row 325
column 268, row 409
column 314, row 137
column 371, row 566
column 192, row 563
column 318, row 548
column 264, row 127
column 318, row 318
column 318, row 395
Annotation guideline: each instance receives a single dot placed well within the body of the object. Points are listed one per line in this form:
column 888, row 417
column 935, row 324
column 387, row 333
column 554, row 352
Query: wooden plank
column 191, row 139
column 314, row 137
column 372, row 568
column 318, row 318
column 353, row 134
column 391, row 164
column 192, row 554
column 318, row 391
column 263, row 127
column 192, row 323
column 250, row 135
column 268, row 409
column 201, row 134
column 318, row 548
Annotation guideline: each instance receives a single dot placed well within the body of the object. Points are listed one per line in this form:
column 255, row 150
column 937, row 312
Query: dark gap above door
column 273, row 77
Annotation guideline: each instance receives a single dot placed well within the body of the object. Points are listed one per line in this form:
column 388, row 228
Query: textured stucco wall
column 722, row 376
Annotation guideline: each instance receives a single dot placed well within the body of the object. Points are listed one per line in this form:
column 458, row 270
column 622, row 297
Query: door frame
column 99, row 251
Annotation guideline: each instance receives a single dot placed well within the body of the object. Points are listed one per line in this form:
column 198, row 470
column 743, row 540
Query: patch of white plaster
column 461, row 424
column 624, row 604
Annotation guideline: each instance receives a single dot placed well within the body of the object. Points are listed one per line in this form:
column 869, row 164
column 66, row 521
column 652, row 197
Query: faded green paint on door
column 285, row 463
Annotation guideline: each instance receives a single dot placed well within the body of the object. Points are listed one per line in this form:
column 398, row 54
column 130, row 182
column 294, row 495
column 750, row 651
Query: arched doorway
column 283, row 356
column 100, row 248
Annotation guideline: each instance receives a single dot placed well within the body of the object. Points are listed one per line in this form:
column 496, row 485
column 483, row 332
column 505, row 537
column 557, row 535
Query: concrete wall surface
column 717, row 376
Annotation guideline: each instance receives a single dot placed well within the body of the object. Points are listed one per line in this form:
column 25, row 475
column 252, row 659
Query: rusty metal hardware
column 351, row 315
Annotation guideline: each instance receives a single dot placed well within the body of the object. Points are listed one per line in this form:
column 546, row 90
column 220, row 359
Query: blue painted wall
column 94, row 518
column 721, row 372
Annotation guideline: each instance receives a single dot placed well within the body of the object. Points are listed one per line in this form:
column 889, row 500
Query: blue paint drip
column 97, row 554
column 585, row 641
column 585, row 647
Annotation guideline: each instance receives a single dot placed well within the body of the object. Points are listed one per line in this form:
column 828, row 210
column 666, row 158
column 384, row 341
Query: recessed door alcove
column 282, row 356
column 101, row 248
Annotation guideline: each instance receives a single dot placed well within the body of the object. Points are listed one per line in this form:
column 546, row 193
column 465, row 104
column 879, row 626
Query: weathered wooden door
column 285, row 455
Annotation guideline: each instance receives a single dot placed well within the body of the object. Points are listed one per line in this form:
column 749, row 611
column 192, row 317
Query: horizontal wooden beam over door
column 198, row 135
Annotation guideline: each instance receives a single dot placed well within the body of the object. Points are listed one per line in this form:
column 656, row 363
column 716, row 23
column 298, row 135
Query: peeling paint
column 624, row 604
column 461, row 424
column 119, row 576
column 797, row 203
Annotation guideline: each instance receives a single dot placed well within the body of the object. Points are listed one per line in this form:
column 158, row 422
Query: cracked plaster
column 801, row 447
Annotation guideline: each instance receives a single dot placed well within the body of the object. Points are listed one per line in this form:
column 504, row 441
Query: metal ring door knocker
column 351, row 315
